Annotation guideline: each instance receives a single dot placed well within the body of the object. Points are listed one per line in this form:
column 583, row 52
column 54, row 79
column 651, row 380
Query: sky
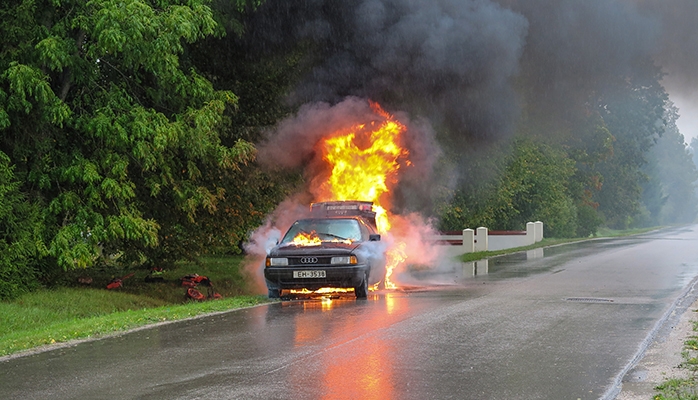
column 688, row 111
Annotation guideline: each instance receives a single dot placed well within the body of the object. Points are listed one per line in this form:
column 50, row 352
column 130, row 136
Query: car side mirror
column 374, row 238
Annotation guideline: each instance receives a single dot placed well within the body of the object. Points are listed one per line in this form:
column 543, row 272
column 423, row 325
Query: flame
column 312, row 239
column 395, row 256
column 324, row 290
column 364, row 162
column 306, row 239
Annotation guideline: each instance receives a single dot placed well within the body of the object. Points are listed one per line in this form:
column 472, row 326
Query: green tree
column 106, row 124
column 534, row 186
column 20, row 239
column 261, row 77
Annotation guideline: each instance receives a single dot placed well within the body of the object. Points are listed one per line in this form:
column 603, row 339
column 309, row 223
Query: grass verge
column 62, row 328
column 481, row 255
column 71, row 311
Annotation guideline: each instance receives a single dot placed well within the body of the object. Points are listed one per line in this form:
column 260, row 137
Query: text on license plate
column 309, row 274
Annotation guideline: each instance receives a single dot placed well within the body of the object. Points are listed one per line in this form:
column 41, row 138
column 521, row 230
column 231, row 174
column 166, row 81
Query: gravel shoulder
column 662, row 358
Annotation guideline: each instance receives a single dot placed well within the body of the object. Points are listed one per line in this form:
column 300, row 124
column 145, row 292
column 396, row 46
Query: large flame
column 306, row 239
column 364, row 161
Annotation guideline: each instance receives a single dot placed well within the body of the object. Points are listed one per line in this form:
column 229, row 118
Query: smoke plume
column 450, row 61
column 455, row 62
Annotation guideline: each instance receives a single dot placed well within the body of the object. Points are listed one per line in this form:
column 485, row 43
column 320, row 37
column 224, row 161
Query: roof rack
column 327, row 209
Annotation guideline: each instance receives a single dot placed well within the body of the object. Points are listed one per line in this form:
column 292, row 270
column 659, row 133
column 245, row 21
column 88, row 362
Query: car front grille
column 309, row 261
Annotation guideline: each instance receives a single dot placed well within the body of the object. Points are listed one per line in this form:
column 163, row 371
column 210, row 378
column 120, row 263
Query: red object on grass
column 193, row 280
column 195, row 294
column 115, row 283
column 118, row 282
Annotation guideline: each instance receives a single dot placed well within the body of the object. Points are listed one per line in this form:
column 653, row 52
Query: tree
column 533, row 185
column 20, row 239
column 632, row 110
column 669, row 194
column 105, row 124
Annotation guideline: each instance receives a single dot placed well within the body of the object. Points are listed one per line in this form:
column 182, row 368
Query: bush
column 588, row 220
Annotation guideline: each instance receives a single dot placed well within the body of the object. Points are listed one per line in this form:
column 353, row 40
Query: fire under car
column 337, row 247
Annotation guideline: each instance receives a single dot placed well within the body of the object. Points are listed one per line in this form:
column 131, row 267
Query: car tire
column 361, row 291
column 274, row 293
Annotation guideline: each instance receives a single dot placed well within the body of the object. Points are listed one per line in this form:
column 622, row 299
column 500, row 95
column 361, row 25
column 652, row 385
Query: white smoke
column 264, row 238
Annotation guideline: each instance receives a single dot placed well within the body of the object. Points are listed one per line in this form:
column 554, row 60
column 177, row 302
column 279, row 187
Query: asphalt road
column 566, row 322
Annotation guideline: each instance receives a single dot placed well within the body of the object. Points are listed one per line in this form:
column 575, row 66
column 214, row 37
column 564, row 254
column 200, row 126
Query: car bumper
column 335, row 276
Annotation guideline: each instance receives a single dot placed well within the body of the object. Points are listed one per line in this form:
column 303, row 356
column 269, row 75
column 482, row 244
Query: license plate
column 309, row 274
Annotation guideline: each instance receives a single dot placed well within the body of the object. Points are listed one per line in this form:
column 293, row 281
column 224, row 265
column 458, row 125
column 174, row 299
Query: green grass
column 677, row 389
column 52, row 327
column 481, row 255
column 73, row 311
column 607, row 232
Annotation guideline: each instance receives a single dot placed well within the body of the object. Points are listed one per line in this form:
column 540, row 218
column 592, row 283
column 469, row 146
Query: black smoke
column 676, row 47
column 470, row 70
column 450, row 61
column 464, row 63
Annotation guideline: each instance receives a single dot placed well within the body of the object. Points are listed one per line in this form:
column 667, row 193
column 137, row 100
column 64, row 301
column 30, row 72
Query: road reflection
column 365, row 369
column 364, row 374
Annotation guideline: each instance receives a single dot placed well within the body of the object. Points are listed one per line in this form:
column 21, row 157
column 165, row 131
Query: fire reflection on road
column 365, row 368
column 363, row 374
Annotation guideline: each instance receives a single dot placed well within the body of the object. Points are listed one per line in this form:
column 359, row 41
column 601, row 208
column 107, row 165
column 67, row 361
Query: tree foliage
column 534, row 185
column 102, row 119
column 20, row 239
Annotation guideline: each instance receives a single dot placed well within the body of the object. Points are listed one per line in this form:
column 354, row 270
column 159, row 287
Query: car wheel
column 274, row 293
column 361, row 291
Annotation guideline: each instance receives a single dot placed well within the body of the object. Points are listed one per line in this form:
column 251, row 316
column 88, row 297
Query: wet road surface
column 566, row 322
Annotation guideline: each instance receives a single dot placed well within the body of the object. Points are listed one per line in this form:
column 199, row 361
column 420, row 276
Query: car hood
column 325, row 248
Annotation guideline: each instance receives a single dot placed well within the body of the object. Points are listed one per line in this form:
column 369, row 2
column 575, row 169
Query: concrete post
column 530, row 233
column 539, row 231
column 481, row 239
column 468, row 240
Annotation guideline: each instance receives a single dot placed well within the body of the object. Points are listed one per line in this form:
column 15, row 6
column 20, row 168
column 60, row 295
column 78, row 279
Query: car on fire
column 338, row 247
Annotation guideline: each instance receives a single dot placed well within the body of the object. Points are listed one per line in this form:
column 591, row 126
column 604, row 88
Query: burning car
column 338, row 246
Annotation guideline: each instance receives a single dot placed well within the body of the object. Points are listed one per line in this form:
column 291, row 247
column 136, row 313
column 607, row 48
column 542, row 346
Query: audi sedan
column 334, row 252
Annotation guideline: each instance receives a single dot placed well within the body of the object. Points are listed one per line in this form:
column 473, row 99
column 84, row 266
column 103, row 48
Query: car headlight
column 344, row 260
column 277, row 262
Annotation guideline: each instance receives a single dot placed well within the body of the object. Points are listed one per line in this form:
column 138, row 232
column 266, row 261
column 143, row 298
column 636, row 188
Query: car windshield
column 325, row 230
